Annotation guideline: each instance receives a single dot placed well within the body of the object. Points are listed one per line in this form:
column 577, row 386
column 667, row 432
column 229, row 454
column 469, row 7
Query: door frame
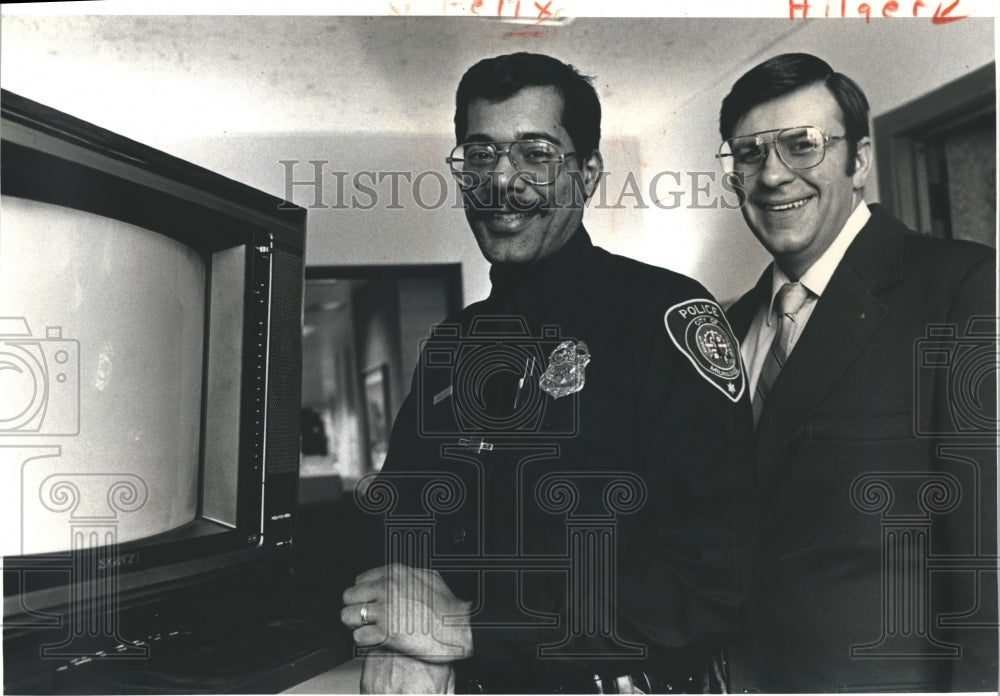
column 900, row 132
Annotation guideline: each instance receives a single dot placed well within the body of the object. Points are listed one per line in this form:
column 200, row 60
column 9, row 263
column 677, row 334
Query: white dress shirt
column 815, row 279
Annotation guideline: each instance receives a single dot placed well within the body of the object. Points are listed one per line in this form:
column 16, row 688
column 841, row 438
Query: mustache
column 497, row 202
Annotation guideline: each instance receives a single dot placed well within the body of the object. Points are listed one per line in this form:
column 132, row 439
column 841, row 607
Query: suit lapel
column 844, row 320
column 742, row 312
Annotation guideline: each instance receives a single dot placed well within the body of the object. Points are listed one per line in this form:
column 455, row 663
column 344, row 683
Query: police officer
column 567, row 494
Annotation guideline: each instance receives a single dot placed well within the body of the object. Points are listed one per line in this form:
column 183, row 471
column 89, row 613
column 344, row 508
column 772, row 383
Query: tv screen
column 102, row 355
column 150, row 367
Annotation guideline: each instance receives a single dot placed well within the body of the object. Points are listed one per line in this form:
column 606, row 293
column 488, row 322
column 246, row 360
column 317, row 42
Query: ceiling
column 208, row 75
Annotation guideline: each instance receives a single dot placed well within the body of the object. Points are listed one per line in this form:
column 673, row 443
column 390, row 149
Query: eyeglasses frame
column 827, row 139
column 506, row 151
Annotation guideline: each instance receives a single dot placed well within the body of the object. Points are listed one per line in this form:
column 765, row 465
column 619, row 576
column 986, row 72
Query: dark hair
column 499, row 78
column 786, row 73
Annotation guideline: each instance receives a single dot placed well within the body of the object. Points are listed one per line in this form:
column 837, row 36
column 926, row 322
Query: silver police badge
column 700, row 330
column 566, row 373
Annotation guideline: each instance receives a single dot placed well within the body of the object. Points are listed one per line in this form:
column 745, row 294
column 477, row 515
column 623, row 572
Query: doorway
column 937, row 159
column 362, row 331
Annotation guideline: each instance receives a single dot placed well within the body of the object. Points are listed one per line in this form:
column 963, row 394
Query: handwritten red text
column 799, row 9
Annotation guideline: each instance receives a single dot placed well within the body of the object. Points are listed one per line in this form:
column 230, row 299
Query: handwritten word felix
column 942, row 15
column 529, row 10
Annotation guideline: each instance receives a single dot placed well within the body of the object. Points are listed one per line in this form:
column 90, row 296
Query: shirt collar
column 541, row 278
column 817, row 277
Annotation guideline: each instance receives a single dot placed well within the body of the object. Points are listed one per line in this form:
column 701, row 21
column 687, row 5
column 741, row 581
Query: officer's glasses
column 536, row 161
column 800, row 147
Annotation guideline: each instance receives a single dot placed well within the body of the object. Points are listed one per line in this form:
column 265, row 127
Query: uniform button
column 458, row 535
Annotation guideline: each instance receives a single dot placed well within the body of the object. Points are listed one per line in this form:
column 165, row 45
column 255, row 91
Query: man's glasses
column 535, row 161
column 800, row 147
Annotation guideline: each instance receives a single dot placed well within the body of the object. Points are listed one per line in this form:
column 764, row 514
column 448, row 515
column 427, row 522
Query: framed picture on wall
column 376, row 383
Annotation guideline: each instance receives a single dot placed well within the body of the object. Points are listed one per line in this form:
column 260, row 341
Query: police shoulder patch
column 699, row 329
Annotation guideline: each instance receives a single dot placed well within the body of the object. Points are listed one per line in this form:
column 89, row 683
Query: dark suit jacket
column 877, row 476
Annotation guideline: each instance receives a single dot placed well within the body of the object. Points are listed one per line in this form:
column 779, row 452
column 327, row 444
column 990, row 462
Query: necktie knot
column 790, row 299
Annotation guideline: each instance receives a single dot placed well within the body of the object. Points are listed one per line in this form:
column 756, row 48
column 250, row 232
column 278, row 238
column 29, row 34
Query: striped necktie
column 790, row 299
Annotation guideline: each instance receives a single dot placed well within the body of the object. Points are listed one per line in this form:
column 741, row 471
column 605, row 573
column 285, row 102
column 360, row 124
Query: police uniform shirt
column 599, row 530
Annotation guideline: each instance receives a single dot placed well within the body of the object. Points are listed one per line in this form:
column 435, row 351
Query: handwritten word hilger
column 800, row 9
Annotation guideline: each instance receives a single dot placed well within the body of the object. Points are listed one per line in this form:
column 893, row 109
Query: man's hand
column 409, row 611
column 388, row 672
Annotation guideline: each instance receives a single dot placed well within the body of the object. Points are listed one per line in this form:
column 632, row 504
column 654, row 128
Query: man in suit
column 875, row 435
column 574, row 451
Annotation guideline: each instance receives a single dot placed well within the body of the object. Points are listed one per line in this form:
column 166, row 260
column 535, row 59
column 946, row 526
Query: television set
column 150, row 367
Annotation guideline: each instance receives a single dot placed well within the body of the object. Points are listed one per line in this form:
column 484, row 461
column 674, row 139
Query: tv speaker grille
column 284, row 394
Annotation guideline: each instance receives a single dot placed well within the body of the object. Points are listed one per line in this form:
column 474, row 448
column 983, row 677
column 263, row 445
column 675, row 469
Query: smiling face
column 796, row 214
column 515, row 221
